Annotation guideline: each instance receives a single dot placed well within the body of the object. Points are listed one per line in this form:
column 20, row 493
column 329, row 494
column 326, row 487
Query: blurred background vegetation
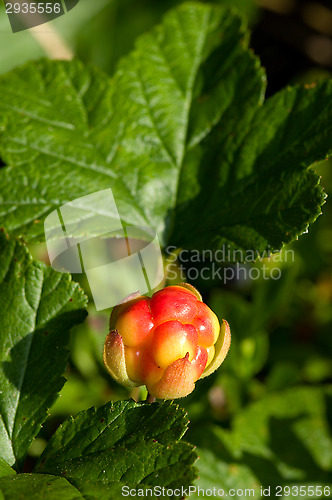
column 266, row 416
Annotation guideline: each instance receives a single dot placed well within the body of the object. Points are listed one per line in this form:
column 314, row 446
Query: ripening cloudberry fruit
column 167, row 342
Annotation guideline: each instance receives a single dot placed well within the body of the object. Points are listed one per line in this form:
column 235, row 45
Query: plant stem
column 150, row 399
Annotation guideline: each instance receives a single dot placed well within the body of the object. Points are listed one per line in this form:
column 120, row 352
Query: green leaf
column 283, row 439
column 180, row 135
column 111, row 34
column 5, row 470
column 83, row 134
column 267, row 195
column 44, row 486
column 38, row 307
column 37, row 486
column 132, row 443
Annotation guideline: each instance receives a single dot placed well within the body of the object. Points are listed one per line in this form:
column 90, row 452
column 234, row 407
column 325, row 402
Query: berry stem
column 150, row 399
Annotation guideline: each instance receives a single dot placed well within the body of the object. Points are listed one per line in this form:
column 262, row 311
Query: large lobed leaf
column 180, row 135
column 101, row 453
column 38, row 307
column 123, row 443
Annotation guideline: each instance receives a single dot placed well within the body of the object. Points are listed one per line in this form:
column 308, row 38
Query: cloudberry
column 167, row 342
